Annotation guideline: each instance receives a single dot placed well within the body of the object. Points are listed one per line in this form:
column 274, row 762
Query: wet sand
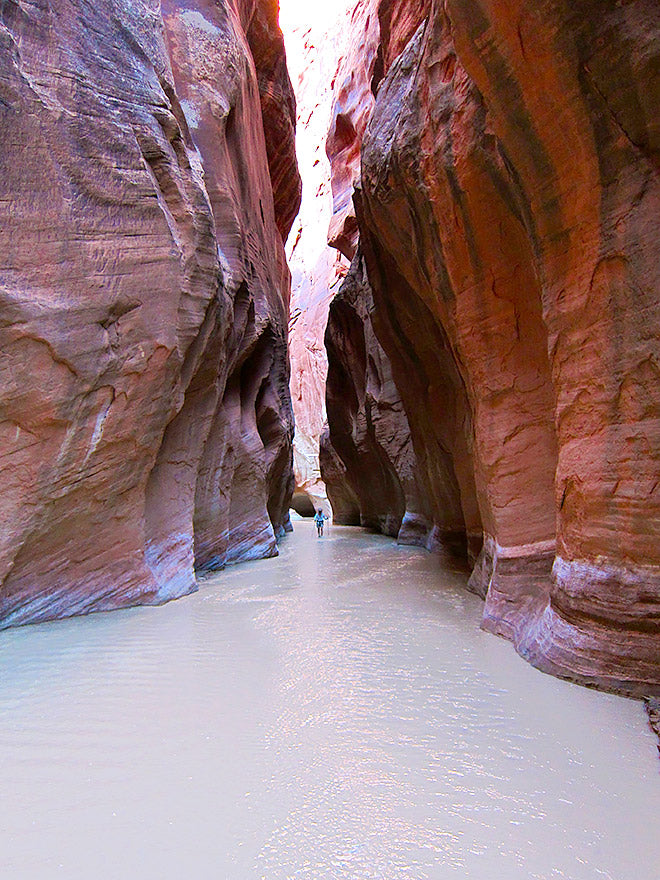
column 335, row 713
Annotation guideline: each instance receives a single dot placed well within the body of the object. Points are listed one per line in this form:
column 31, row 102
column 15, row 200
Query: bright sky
column 308, row 13
column 318, row 16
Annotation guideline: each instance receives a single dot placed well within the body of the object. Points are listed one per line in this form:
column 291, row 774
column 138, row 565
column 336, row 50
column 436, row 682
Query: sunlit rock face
column 351, row 110
column 508, row 204
column 146, row 417
column 315, row 38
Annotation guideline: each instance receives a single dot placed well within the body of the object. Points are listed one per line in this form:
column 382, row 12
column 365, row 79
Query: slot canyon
column 394, row 260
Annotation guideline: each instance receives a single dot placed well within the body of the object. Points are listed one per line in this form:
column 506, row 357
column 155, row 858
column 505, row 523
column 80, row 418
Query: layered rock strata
column 368, row 429
column 507, row 215
column 351, row 110
column 316, row 42
column 146, row 417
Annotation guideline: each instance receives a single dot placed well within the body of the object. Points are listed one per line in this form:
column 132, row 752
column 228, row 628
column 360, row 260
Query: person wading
column 319, row 519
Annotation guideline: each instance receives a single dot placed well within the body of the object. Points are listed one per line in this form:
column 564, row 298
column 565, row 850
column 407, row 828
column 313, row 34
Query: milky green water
column 335, row 713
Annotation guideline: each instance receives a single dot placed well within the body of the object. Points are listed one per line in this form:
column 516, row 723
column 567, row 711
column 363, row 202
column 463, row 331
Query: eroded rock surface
column 146, row 418
column 365, row 415
column 507, row 213
column 351, row 110
column 315, row 41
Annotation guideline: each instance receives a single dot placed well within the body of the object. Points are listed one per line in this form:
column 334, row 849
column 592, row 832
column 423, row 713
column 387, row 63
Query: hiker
column 319, row 519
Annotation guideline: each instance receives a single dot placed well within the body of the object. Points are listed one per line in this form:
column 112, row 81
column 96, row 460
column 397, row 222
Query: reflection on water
column 335, row 713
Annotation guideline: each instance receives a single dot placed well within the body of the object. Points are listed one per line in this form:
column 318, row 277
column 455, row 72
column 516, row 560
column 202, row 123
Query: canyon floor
column 334, row 713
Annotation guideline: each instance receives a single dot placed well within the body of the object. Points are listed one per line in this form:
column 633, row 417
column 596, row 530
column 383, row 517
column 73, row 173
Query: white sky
column 310, row 13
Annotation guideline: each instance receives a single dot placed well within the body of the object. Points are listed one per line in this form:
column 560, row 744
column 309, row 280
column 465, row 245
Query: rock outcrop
column 146, row 417
column 507, row 214
column 365, row 415
column 429, row 511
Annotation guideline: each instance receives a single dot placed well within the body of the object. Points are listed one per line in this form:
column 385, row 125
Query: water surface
column 335, row 713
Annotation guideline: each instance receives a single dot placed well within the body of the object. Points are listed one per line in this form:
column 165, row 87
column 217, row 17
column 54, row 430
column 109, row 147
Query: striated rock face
column 507, row 215
column 345, row 503
column 362, row 382
column 315, row 39
column 368, row 430
column 278, row 107
column 370, row 467
column 351, row 110
column 430, row 508
column 309, row 316
column 146, row 419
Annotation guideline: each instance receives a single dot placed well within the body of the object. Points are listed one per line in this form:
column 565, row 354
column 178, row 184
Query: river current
column 335, row 713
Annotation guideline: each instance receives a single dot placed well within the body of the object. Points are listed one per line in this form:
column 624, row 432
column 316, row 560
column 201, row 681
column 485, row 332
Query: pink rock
column 370, row 467
column 352, row 107
column 315, row 44
column 508, row 191
column 144, row 291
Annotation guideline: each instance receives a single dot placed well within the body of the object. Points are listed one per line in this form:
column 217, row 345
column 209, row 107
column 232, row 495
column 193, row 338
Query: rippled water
column 335, row 713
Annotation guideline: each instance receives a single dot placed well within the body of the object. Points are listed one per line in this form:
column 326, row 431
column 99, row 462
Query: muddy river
column 335, row 713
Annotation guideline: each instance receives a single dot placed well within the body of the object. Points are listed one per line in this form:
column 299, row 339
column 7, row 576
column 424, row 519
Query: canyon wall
column 314, row 43
column 317, row 39
column 431, row 511
column 507, row 206
column 147, row 182
column 367, row 456
column 653, row 711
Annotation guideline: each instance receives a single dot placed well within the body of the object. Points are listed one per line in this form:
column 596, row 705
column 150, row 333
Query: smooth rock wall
column 507, row 213
column 143, row 299
column 368, row 429
column 352, row 106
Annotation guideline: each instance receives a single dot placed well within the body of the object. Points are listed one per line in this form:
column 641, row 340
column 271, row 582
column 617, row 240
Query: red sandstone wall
column 368, row 461
column 508, row 218
column 314, row 40
column 352, row 107
column 143, row 294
